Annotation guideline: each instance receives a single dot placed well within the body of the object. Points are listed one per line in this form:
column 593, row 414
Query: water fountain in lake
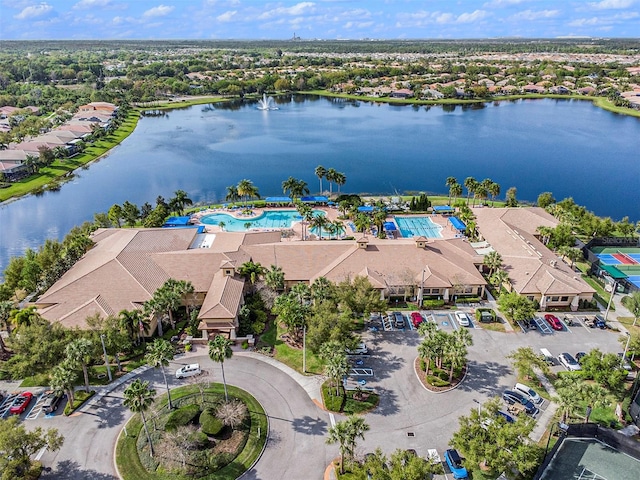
column 266, row 103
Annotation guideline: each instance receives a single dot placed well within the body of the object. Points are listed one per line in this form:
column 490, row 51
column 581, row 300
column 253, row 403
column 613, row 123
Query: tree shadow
column 388, row 404
column 251, row 475
column 484, row 378
column 68, row 469
column 310, row 426
column 383, row 363
column 110, row 410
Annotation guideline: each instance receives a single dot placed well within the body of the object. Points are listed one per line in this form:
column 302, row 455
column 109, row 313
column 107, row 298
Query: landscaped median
column 225, row 453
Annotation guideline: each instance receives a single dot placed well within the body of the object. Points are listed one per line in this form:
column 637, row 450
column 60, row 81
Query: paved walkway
column 544, row 420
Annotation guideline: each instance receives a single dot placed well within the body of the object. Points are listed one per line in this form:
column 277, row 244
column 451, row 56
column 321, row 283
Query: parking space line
column 566, row 326
column 35, row 411
column 581, row 320
column 332, row 419
column 453, row 321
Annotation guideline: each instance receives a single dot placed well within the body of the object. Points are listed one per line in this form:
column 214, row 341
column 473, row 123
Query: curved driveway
column 296, row 444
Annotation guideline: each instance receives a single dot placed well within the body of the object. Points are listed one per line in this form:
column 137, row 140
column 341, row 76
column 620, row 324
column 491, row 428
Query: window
column 426, row 291
column 435, row 290
column 555, row 299
column 530, row 298
column 564, row 299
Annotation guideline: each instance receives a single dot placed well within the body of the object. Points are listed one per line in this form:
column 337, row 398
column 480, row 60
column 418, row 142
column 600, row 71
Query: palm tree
column 63, row 379
column 252, row 271
column 320, row 172
column 492, row 260
column 246, row 190
column 362, row 223
column 494, row 190
column 470, row 184
column 219, row 351
column 134, row 323
column 456, row 349
column 159, row 354
column 319, row 222
column 295, row 187
column 456, row 191
column 79, row 352
column 346, row 433
column 232, row 194
column 274, row 278
column 338, row 228
column 322, row 289
column 180, row 200
column 306, row 212
column 331, row 177
column 450, row 182
column 138, row 397
column 340, row 179
column 499, row 278
column 379, row 217
column 545, row 233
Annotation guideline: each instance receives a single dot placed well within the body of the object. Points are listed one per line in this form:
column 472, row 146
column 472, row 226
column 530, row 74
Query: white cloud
column 472, row 17
column 226, row 16
column 530, row 15
column 502, row 3
column 159, row 11
column 607, row 20
column 611, row 4
column 584, row 22
column 34, row 11
column 444, row 17
column 297, row 9
column 84, row 4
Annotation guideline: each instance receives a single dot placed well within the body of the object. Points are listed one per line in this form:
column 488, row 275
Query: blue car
column 455, row 464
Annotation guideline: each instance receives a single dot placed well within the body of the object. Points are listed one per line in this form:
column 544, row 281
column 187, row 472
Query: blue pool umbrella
column 390, row 226
column 365, row 208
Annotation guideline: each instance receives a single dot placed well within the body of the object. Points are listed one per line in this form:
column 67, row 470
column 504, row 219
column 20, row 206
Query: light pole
column 304, row 349
column 106, row 359
column 479, row 405
column 626, row 347
column 613, row 292
column 421, row 290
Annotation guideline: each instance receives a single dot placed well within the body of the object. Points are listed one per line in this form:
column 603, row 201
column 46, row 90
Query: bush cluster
column 182, row 416
column 210, row 424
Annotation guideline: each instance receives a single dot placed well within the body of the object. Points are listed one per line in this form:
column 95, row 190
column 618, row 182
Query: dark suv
column 51, row 402
column 398, row 320
column 512, row 397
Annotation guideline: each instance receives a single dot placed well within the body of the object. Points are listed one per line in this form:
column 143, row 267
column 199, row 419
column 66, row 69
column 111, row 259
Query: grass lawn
column 347, row 405
column 628, row 323
column 601, row 296
column 80, row 397
column 293, row 357
column 493, row 326
column 131, row 468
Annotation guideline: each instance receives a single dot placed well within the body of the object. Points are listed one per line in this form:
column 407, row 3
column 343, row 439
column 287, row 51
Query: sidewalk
column 545, row 418
column 105, row 389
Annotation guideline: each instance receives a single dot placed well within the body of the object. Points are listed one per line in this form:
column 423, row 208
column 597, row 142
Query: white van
column 528, row 392
column 188, row 371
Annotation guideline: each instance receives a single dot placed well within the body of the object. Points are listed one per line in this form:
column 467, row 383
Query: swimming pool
column 268, row 219
column 418, row 226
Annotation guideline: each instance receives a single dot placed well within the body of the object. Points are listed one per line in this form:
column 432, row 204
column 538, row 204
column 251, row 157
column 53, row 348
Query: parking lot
column 409, row 416
column 33, row 410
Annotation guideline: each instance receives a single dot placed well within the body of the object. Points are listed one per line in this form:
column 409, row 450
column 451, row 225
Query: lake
column 568, row 147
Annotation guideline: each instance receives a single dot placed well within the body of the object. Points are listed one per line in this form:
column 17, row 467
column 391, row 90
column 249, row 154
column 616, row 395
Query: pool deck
column 332, row 213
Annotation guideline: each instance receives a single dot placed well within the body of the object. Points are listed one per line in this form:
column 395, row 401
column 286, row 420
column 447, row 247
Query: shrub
column 423, row 365
column 210, row 424
column 257, row 327
column 199, row 439
column 431, row 304
column 187, row 347
column 182, row 416
column 245, row 345
column 436, row 382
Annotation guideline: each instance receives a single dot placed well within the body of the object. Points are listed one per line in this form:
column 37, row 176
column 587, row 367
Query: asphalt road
column 408, row 415
column 296, row 444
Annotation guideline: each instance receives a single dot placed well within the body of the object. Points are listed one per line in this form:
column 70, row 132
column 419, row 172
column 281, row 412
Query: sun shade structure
column 389, row 227
column 314, row 199
column 457, row 224
column 365, row 209
column 278, row 200
column 177, row 221
column 443, row 209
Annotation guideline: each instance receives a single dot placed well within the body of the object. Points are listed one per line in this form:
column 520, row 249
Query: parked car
column 512, row 397
column 599, row 322
column 398, row 320
column 625, row 363
column 553, row 321
column 21, row 403
column 547, row 357
column 568, row 361
column 188, row 371
column 529, row 392
column 360, row 349
column 579, row 356
column 455, row 464
column 462, row 318
column 506, row 416
column 416, row 319
column 51, row 402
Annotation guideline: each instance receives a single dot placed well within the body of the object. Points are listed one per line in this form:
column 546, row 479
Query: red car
column 416, row 319
column 21, row 403
column 553, row 321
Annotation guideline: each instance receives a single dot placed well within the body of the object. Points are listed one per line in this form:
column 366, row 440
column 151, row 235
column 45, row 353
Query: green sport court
column 590, row 459
column 621, row 263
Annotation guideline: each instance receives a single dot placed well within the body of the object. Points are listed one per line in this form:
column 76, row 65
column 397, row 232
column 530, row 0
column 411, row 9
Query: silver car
column 570, row 363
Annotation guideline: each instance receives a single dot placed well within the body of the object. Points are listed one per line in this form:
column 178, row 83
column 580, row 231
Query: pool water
column 269, row 219
column 418, row 226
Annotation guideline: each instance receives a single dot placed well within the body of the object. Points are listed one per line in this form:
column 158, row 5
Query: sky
column 316, row 19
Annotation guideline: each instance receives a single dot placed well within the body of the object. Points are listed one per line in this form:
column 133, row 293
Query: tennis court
column 588, row 459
